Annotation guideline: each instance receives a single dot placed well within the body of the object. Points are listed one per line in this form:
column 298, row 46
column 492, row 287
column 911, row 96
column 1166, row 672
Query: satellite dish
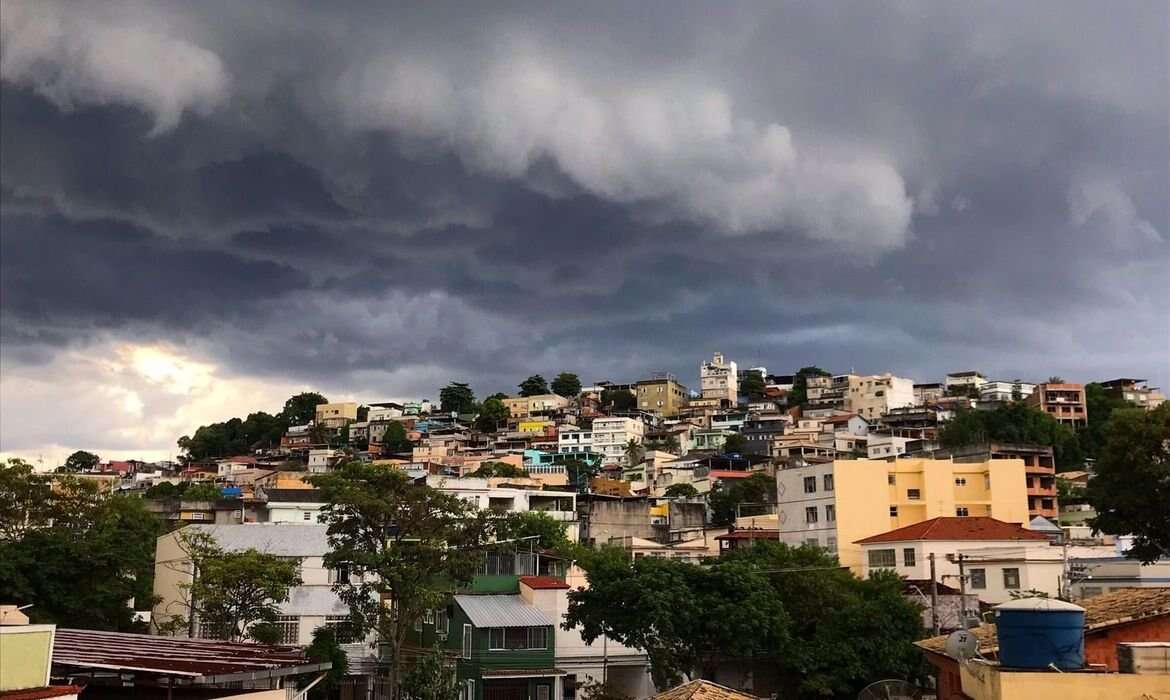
column 962, row 645
column 890, row 690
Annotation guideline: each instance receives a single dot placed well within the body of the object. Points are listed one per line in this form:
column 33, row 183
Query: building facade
column 719, row 379
column 871, row 397
column 612, row 434
column 1064, row 402
column 661, row 394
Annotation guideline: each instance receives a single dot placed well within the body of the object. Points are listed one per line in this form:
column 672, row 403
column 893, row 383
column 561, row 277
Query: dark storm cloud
column 318, row 195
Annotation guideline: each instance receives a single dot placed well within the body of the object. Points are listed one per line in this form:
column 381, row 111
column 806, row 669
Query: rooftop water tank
column 1039, row 633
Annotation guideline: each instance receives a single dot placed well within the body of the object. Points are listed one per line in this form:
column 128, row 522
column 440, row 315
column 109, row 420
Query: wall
column 987, row 682
column 1101, row 645
column 25, row 653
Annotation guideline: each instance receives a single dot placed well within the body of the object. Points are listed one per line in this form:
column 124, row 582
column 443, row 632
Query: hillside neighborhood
column 739, row 539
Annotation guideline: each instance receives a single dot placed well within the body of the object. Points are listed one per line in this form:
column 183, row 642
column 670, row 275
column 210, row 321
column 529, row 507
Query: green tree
column 25, row 499
column 734, row 443
column 579, row 472
column 402, row 541
column 551, row 533
column 752, row 386
column 236, row 591
column 566, row 384
column 1099, row 406
column 431, row 677
column 799, row 394
column 302, row 408
column 82, row 571
column 202, row 491
column 81, row 461
column 504, row 469
column 1130, row 488
column 1013, row 423
column 492, row 413
column 533, row 386
column 634, row 452
column 394, row 438
column 456, row 397
column 668, row 444
column 618, row 400
column 163, row 491
column 680, row 491
column 325, row 648
column 730, row 494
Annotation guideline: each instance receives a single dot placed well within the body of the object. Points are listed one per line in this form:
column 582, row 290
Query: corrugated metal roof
column 501, row 611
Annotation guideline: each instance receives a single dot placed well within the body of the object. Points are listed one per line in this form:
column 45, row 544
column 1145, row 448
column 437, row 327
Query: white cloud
column 1103, row 203
column 671, row 141
column 77, row 54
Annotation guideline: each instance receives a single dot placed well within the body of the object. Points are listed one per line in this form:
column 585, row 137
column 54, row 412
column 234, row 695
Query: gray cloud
column 373, row 198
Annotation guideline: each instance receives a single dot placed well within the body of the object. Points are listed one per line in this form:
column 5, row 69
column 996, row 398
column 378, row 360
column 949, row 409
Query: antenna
column 891, row 689
column 962, row 645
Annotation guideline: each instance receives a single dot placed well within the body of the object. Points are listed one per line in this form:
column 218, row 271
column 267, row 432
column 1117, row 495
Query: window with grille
column 961, row 511
column 828, row 482
column 810, row 484
column 913, row 494
column 810, row 514
column 908, row 556
column 883, row 558
column 340, row 574
column 289, row 627
column 891, row 479
column 960, row 481
column 893, row 511
column 342, row 628
column 1011, row 579
column 515, row 638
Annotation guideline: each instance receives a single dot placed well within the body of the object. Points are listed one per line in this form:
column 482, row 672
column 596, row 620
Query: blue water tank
column 1039, row 633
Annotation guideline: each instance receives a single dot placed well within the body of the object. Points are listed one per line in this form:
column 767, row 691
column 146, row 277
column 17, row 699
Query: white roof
column 501, row 611
column 286, row 540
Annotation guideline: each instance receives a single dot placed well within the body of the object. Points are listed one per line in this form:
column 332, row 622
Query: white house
column 570, row 438
column 612, row 434
column 998, row 558
column 1001, row 391
column 558, row 505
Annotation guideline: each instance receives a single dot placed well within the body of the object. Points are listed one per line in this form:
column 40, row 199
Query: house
column 998, row 559
column 1064, row 402
column 702, row 690
column 873, row 396
column 293, row 506
column 1134, row 391
column 1039, row 470
column 718, row 379
column 999, row 391
column 690, row 550
column 887, row 446
column 612, row 434
column 604, row 518
column 737, row 539
column 833, row 505
column 311, row 605
column 538, row 405
column 1098, row 569
column 661, row 394
column 1129, row 615
column 927, row 393
column 336, row 415
column 967, row 380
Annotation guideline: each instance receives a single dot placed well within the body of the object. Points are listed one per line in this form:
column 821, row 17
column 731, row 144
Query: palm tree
column 634, row 452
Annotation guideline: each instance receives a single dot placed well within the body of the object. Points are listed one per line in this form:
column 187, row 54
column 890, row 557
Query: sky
column 207, row 207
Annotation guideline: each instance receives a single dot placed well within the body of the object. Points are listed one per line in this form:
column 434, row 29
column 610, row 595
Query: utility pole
column 962, row 594
column 934, row 623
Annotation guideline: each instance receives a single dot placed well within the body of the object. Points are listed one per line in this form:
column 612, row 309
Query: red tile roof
column 956, row 528
column 844, row 418
column 544, row 583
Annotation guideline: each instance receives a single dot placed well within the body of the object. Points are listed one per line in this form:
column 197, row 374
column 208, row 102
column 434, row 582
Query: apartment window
column 961, row 511
column 810, row 514
column 960, row 481
column 340, row 574
column 978, row 578
column 882, row 558
column 289, row 627
column 828, row 482
column 893, row 511
column 813, row 542
column 513, row 638
column 891, row 479
column 914, row 494
column 342, row 629
column 1011, row 579
column 831, row 544
column 908, row 556
column 830, row 513
column 810, row 484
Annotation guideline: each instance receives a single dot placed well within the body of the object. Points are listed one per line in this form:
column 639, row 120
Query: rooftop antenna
column 891, row 689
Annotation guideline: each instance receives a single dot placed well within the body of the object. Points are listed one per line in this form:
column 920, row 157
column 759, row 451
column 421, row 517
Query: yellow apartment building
column 525, row 406
column 835, row 504
column 661, row 394
column 336, row 415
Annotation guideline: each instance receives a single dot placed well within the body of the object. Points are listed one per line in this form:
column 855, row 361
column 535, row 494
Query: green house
column 504, row 648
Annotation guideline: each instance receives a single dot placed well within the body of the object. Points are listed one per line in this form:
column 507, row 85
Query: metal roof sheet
column 501, row 611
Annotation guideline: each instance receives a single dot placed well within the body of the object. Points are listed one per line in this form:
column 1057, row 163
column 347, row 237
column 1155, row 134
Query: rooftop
column 286, row 540
column 501, row 611
column 1103, row 611
column 702, row 690
column 956, row 528
column 544, row 583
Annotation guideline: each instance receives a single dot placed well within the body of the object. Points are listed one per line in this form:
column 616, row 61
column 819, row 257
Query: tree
column 325, row 648
column 566, row 384
column 734, row 443
column 579, row 472
column 680, row 491
column 492, row 413
column 236, row 591
column 1056, row 379
column 1099, row 405
column 82, row 571
column 394, row 438
column 634, row 452
column 202, row 491
column 432, row 677
column 799, row 394
column 550, row 533
column 618, row 400
column 504, row 469
column 81, row 461
column 826, row 632
column 456, row 397
column 163, row 491
column 401, row 541
column 1013, row 423
column 302, row 408
column 730, row 494
column 235, row 436
column 1130, row 488
column 752, row 386
column 533, row 386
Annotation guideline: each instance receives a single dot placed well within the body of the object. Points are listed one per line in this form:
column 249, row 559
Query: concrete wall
column 983, row 681
column 26, row 652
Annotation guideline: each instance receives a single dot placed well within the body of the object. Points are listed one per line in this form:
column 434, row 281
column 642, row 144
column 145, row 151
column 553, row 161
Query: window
column 339, row 574
column 289, row 627
column 429, row 617
column 341, row 627
column 831, row 544
column 914, row 494
column 467, row 642
column 891, row 479
column 511, row 638
column 442, row 623
column 307, row 515
column 810, row 484
column 543, row 692
column 828, row 482
column 893, row 511
column 813, row 542
column 810, row 514
column 908, row 556
column 960, row 481
column 978, row 578
column 961, row 511
column 418, row 623
column 1011, row 579
column 468, row 690
column 830, row 513
column 882, row 558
